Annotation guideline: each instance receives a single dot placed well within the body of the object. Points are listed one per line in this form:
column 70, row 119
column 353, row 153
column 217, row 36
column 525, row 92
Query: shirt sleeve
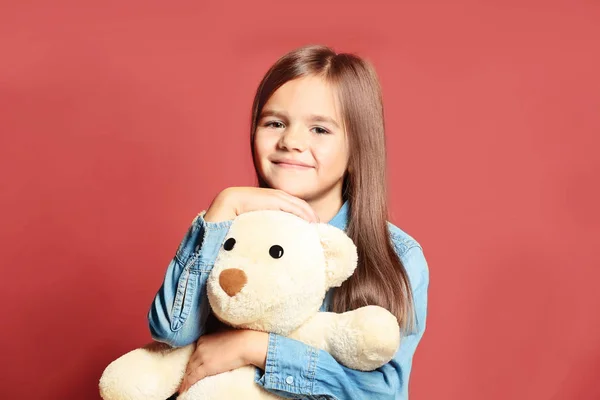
column 178, row 313
column 295, row 370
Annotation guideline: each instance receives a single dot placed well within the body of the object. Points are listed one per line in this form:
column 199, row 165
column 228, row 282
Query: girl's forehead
column 310, row 95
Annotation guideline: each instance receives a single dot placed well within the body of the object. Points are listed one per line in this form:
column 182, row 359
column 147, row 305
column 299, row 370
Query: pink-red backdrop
column 120, row 120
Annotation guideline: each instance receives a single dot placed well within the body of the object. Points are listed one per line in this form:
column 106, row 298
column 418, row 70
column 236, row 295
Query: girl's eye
column 274, row 124
column 320, row 131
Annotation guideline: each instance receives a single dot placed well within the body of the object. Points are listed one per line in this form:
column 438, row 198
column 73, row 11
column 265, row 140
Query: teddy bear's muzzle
column 232, row 280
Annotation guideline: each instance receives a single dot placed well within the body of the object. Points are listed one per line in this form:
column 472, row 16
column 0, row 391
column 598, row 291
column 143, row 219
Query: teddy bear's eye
column 229, row 243
column 276, row 251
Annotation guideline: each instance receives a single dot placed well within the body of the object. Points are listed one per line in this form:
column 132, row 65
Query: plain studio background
column 120, row 121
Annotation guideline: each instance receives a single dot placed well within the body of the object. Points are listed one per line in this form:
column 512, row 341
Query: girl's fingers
column 290, row 206
column 192, row 376
column 300, row 207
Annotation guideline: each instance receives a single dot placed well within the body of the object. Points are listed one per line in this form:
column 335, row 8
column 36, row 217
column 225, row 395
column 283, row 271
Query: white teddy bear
column 271, row 274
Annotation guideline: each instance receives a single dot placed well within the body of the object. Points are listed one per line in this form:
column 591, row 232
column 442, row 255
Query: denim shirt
column 293, row 369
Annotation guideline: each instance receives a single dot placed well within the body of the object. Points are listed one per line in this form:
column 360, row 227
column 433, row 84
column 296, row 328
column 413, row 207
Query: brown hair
column 380, row 278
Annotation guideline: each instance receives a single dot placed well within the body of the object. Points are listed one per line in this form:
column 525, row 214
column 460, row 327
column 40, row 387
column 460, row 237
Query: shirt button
column 289, row 380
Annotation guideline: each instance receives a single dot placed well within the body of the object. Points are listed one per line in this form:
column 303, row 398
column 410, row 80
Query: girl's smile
column 291, row 164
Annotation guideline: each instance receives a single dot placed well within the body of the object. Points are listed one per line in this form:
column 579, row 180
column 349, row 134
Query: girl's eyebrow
column 312, row 118
column 273, row 113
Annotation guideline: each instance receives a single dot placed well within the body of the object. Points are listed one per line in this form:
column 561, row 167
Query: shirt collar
column 340, row 220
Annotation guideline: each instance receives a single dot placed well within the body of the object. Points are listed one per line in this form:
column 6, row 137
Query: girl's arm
column 293, row 368
column 178, row 314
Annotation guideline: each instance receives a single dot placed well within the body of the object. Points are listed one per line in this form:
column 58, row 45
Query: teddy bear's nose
column 232, row 280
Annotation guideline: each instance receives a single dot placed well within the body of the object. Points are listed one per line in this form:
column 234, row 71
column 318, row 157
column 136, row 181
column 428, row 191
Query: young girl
column 318, row 147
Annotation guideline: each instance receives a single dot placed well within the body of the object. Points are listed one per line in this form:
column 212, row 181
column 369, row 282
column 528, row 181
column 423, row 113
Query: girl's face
column 300, row 143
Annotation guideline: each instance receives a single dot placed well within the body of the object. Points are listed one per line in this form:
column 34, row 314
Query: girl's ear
column 341, row 255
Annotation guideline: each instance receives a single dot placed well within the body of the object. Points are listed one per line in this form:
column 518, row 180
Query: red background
column 120, row 121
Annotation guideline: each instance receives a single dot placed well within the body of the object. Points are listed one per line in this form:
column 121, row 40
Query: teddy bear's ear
column 341, row 256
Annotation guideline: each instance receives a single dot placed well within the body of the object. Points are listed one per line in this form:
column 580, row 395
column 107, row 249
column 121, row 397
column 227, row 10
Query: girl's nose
column 294, row 139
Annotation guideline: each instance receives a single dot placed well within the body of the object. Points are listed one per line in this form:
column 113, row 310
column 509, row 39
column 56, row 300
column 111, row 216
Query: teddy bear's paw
column 367, row 338
column 380, row 336
column 150, row 373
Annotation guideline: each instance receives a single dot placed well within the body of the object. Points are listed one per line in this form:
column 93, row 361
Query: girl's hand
column 234, row 201
column 224, row 351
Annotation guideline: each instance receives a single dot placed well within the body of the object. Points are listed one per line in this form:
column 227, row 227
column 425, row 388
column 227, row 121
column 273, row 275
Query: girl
column 318, row 146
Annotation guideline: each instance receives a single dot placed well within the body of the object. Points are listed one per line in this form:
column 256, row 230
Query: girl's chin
column 295, row 189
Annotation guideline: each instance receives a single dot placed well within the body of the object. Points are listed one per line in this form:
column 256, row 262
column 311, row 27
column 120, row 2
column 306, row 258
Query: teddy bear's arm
column 152, row 372
column 362, row 339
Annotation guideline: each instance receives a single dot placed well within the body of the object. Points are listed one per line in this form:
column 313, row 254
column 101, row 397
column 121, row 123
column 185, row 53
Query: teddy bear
column 272, row 273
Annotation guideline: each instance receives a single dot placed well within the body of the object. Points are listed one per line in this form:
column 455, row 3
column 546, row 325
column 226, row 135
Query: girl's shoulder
column 410, row 252
column 413, row 260
column 403, row 242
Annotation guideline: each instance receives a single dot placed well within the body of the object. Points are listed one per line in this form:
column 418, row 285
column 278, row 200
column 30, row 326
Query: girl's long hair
column 380, row 278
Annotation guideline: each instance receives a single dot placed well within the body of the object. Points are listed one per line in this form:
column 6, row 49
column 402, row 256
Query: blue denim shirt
column 293, row 369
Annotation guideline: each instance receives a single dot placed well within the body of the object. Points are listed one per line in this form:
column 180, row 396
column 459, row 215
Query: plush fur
column 274, row 278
